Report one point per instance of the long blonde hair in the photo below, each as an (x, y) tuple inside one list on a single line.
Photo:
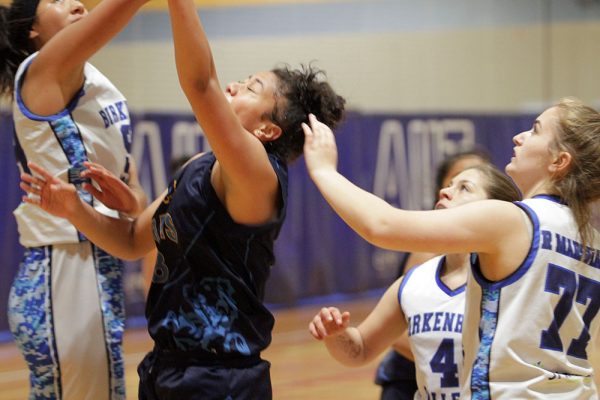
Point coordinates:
[(579, 135)]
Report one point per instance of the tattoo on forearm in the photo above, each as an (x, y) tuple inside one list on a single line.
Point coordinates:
[(348, 346)]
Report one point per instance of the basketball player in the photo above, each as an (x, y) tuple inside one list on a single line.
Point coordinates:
[(66, 308)]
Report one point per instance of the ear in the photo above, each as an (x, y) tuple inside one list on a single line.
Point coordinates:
[(268, 132), (33, 34), (561, 164)]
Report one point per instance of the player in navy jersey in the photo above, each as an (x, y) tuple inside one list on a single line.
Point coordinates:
[(427, 303), (66, 308), (531, 326), (214, 227)]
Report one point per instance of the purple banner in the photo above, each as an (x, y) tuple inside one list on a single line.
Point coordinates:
[(393, 156)]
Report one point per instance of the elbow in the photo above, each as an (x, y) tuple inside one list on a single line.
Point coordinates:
[(374, 231)]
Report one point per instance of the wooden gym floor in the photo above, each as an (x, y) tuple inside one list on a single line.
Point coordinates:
[(301, 366)]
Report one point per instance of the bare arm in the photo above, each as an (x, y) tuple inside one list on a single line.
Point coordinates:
[(243, 175), (493, 228), (356, 346), (123, 238), (58, 68)]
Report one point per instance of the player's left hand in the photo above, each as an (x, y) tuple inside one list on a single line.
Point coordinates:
[(51, 194), (112, 192)]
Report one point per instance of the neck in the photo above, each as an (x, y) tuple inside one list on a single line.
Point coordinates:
[(544, 187), (455, 269), (456, 262)]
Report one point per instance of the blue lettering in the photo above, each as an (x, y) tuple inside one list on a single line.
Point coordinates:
[(547, 240), (438, 319), (113, 113), (459, 323), (416, 323), (448, 321), (121, 109), (426, 317), (105, 119)]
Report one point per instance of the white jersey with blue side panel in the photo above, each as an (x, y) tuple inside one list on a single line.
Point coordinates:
[(533, 334), (435, 319), (94, 126)]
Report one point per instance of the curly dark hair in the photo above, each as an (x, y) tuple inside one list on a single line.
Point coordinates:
[(301, 92)]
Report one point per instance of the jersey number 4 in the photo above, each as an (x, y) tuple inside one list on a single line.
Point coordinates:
[(443, 363), (577, 288)]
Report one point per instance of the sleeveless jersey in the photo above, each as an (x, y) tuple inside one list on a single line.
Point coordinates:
[(435, 317), (94, 126), (533, 334), (210, 274)]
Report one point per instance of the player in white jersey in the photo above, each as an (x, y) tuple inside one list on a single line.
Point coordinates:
[(531, 328), (66, 308), (427, 303)]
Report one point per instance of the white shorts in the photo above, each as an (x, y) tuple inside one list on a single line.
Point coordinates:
[(66, 313)]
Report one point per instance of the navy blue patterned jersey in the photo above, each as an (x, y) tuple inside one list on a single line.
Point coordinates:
[(210, 274)]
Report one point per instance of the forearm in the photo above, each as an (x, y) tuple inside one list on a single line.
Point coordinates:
[(141, 200), (347, 348), (364, 212), (193, 57), (75, 44), (116, 236)]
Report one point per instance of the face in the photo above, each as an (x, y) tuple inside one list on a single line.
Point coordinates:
[(467, 186), (52, 16), (460, 165), (532, 157), (253, 99)]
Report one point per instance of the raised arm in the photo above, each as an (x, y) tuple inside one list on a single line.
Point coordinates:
[(123, 238), (243, 175), (457, 230), (356, 346), (59, 66)]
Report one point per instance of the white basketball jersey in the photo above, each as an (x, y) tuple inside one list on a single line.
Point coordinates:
[(94, 126), (435, 319), (533, 334)]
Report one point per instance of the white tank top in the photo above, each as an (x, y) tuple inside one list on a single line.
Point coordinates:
[(94, 126), (435, 319), (533, 334)]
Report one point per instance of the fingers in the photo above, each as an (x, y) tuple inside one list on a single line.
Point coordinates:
[(31, 184), (45, 175), (327, 322), (93, 191)]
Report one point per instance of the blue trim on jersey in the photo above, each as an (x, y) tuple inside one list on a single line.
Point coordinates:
[(19, 153), (67, 133), (34, 117), (525, 265), (442, 285), (480, 377)]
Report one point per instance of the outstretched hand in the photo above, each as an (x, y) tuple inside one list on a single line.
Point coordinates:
[(51, 194), (113, 193), (320, 150), (329, 322)]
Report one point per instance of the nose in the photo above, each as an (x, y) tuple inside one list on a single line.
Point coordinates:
[(445, 193), (233, 88), (77, 7), (518, 138)]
